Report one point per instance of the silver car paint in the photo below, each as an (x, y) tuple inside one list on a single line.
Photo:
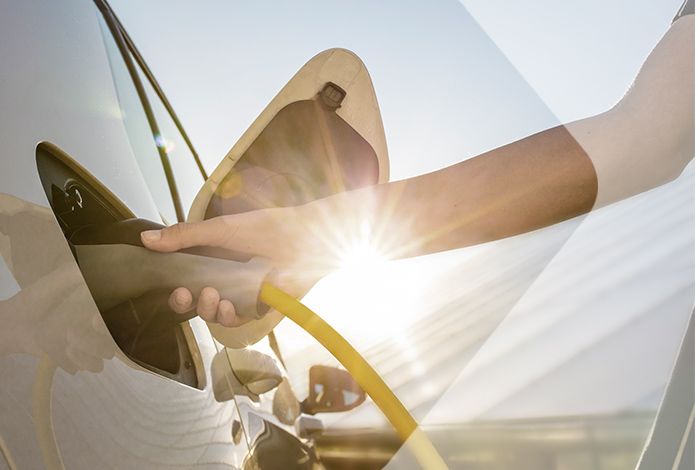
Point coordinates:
[(56, 86)]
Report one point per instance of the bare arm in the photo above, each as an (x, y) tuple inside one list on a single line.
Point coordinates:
[(644, 141), (528, 184), (648, 138)]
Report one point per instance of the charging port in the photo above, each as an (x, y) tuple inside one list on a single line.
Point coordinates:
[(78, 200)]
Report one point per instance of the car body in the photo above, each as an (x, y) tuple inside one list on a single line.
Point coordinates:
[(92, 137), (84, 121)]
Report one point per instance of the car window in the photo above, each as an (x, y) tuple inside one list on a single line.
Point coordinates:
[(150, 147), (138, 130), (187, 175)]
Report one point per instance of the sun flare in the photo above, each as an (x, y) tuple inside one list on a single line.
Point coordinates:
[(361, 254)]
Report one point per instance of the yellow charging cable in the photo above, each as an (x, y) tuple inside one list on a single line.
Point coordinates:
[(362, 372)]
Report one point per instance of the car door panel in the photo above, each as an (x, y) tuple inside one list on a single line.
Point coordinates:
[(65, 382)]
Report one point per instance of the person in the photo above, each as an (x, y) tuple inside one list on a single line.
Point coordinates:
[(644, 141)]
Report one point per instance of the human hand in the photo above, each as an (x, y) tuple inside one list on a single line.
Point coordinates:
[(288, 237)]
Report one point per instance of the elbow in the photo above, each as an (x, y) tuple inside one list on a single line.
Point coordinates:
[(632, 153)]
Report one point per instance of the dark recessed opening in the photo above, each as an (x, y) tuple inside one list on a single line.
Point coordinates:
[(78, 200), (306, 152)]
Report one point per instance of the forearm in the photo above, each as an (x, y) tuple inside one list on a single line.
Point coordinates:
[(644, 141), (528, 184)]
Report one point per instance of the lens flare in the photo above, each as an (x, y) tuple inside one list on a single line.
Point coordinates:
[(361, 254)]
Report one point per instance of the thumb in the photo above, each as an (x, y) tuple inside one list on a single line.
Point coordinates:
[(184, 235)]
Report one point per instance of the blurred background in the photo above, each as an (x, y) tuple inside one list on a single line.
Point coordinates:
[(549, 350)]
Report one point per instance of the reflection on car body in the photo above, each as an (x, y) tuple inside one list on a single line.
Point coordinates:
[(86, 389)]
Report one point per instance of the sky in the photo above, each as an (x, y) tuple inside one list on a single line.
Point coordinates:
[(454, 80)]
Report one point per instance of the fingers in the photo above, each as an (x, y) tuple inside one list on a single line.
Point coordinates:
[(180, 300), (183, 235), (210, 306), (226, 315), (255, 232), (208, 303)]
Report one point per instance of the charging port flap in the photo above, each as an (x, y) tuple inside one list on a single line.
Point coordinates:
[(322, 134)]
